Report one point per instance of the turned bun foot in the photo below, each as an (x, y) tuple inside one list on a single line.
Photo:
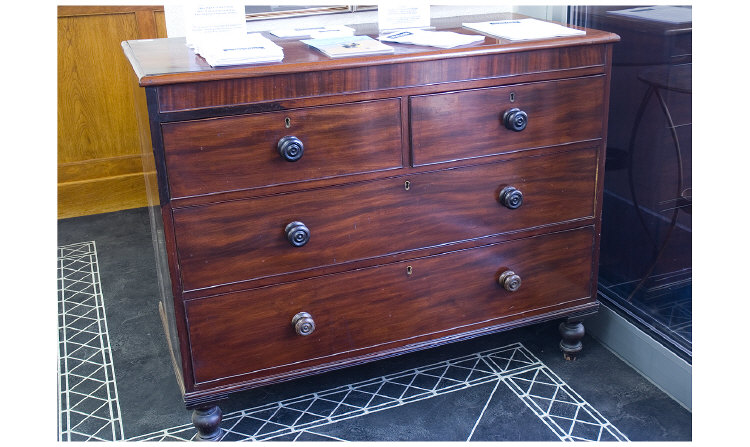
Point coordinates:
[(571, 332), (207, 421)]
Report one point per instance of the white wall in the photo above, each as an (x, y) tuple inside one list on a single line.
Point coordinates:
[(557, 13)]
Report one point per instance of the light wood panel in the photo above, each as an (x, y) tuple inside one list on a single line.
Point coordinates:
[(99, 165)]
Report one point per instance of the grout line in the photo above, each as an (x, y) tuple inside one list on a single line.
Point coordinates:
[(321, 435), (486, 404), (61, 346), (103, 337)]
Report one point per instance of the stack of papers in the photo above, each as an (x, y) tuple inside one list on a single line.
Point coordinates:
[(251, 49), (440, 39), (349, 46), (318, 32), (523, 29)]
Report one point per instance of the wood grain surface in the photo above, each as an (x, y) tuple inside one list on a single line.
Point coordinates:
[(240, 152), (378, 308), (244, 239), (97, 134), (467, 124)]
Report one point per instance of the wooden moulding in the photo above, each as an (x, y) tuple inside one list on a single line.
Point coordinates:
[(99, 186), (262, 86)]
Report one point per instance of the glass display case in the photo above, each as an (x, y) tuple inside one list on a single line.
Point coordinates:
[(646, 246)]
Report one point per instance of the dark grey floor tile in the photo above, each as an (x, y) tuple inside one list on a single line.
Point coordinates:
[(507, 418), (446, 417), (630, 402), (149, 396)]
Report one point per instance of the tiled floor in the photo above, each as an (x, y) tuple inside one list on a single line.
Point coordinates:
[(116, 381), (89, 408), (564, 412)]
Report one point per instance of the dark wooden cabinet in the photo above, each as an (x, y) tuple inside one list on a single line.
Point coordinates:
[(431, 196)]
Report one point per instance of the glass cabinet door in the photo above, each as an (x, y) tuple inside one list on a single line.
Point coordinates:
[(646, 245)]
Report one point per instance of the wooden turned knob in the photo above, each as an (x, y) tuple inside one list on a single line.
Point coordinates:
[(515, 119), (297, 233), (509, 281), (303, 323), (511, 197), (290, 148)]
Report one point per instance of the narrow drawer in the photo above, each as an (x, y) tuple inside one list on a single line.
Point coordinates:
[(467, 124), (242, 152), (235, 241), (356, 313)]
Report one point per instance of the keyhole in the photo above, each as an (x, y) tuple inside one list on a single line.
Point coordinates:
[(512, 96), (407, 185), (287, 122), (408, 270)]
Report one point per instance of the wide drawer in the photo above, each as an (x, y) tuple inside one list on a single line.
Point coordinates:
[(240, 240), (241, 152), (468, 124), (386, 307)]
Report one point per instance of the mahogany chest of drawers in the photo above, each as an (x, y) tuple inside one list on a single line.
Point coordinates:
[(319, 213)]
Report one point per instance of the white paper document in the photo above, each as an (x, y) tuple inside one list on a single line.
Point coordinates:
[(392, 17), (660, 13), (250, 49), (317, 32), (440, 39), (523, 29), (215, 21)]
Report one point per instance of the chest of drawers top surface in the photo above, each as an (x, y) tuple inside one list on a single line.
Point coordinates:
[(170, 61)]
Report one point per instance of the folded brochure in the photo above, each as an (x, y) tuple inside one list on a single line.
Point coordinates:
[(253, 48), (440, 39), (349, 46)]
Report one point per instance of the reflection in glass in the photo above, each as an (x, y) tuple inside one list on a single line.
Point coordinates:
[(646, 246), (256, 12)]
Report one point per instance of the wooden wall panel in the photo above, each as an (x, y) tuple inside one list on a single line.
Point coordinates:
[(161, 24), (99, 161)]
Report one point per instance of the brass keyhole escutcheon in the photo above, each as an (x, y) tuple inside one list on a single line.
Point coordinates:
[(407, 185), (409, 270), (512, 96), (287, 122)]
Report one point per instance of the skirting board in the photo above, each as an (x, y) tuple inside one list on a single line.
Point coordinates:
[(656, 363)]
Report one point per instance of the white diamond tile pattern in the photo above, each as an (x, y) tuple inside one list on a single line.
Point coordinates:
[(565, 412), (553, 401), (87, 399)]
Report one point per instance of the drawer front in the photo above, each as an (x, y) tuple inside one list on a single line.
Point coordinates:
[(240, 152), (240, 240), (250, 333), (467, 124)]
